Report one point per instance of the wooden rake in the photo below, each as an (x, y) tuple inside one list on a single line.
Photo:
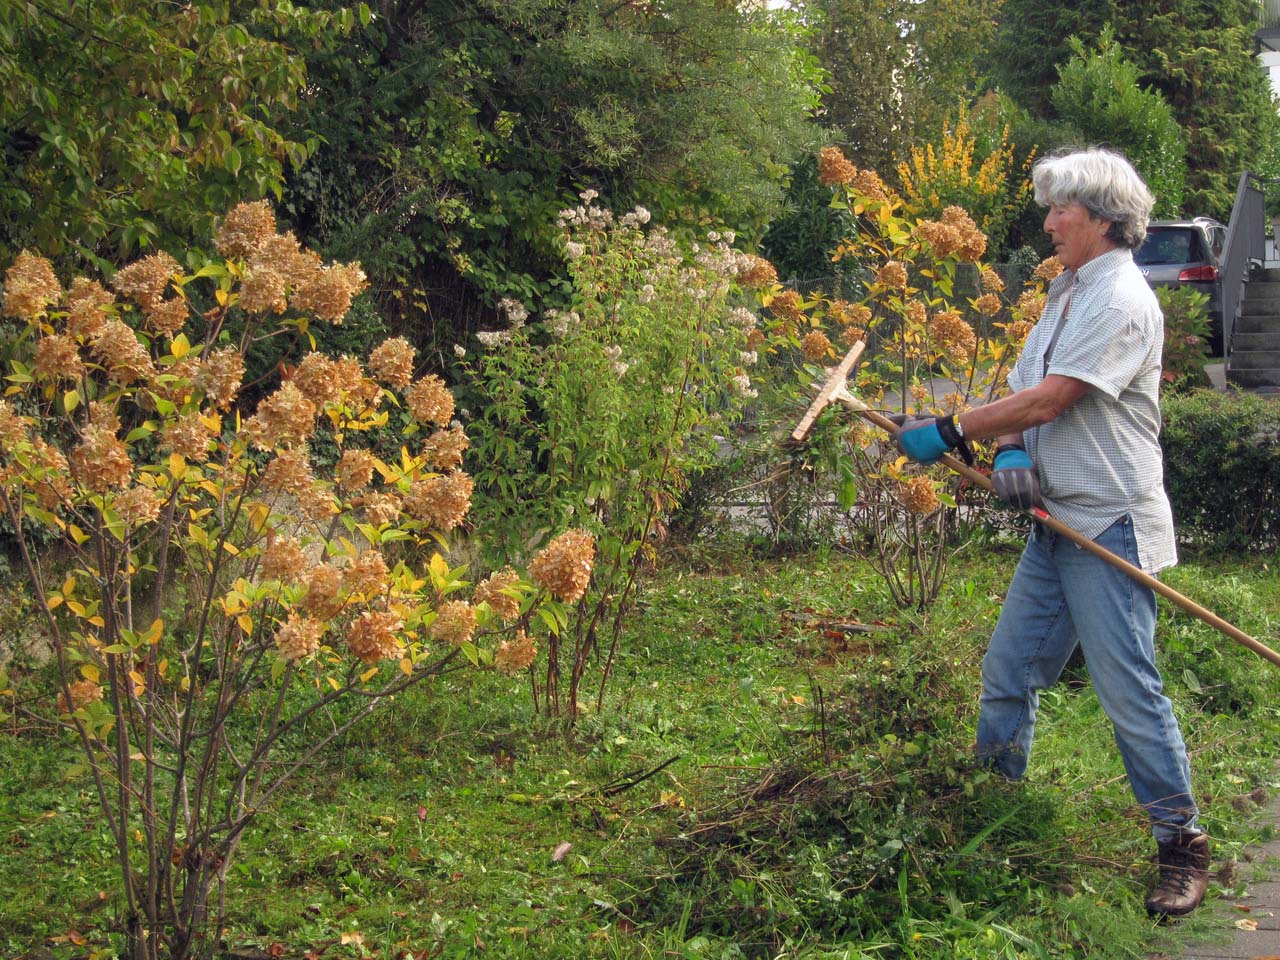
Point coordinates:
[(836, 390)]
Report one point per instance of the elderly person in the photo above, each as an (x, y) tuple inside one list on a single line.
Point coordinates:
[(1079, 436)]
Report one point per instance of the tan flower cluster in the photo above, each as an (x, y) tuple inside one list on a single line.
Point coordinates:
[(101, 461), (1049, 269), (787, 305), (373, 636), (392, 362), (990, 280), (757, 273), (219, 376), (29, 287), (953, 336), (283, 559), (82, 693), (86, 304), (845, 313), (918, 495), (955, 402), (144, 281), (851, 335), (137, 505), (430, 401), (366, 575), (359, 391), (322, 598), (316, 502), (869, 184), (834, 168), (455, 622), (103, 416), (491, 591), (189, 437), (289, 472), (299, 637), (564, 565), (516, 654), (915, 312), (1018, 330), (327, 294), (443, 449), (1030, 305), (58, 356), (919, 393), (442, 500), (117, 348), (944, 239), (284, 419), (244, 229), (755, 338), (379, 508), (317, 378), (973, 242), (988, 304), (354, 470), (815, 346), (263, 290), (13, 428), (893, 275), (53, 488), (168, 317)]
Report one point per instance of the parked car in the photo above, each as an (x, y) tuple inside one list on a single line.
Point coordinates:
[(1187, 253)]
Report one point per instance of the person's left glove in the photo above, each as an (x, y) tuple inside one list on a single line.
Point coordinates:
[(926, 439)]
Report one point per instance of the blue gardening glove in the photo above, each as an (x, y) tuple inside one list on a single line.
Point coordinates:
[(926, 439), (1013, 477)]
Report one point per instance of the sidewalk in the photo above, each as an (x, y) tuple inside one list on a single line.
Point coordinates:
[(1250, 924)]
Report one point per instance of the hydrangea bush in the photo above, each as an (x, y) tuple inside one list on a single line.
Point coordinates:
[(213, 592)]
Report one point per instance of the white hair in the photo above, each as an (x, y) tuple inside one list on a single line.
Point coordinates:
[(1104, 183)]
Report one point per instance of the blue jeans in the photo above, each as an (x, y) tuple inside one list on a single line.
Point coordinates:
[(1062, 595)]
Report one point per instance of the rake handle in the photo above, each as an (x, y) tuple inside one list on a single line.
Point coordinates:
[(1080, 540)]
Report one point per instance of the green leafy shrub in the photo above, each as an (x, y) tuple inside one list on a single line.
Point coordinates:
[(1186, 338), (1222, 468)]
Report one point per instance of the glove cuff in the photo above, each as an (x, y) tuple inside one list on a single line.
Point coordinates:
[(1006, 447), (952, 436)]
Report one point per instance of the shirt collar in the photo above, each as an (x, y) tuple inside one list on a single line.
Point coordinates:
[(1099, 267)]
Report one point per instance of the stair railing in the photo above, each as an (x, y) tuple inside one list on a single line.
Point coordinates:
[(1244, 247)]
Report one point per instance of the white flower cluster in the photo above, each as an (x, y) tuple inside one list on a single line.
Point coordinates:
[(560, 324), (748, 358), (586, 214), (742, 384), (742, 318), (636, 218)]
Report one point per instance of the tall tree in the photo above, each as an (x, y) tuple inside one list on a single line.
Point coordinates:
[(1032, 40), (896, 68), (130, 123), (455, 132)]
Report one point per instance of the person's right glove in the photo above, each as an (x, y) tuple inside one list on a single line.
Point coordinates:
[(1013, 477)]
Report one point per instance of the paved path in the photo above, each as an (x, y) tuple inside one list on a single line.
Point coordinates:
[(1250, 923)]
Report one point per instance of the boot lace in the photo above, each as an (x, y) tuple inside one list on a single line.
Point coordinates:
[(1178, 869)]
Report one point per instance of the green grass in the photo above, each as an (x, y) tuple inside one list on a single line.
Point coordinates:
[(818, 803)]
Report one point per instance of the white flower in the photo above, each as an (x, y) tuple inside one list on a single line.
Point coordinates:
[(748, 358), (742, 384), (647, 293), (459, 350), (574, 250)]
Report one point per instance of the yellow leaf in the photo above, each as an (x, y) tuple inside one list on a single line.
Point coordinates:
[(231, 548), (153, 632), (246, 622), (334, 683), (71, 400), (406, 666), (221, 296), (68, 586), (97, 622), (139, 680), (180, 346), (76, 607), (186, 684), (364, 677), (162, 667), (78, 535), (89, 672), (177, 466), (53, 602), (354, 937)]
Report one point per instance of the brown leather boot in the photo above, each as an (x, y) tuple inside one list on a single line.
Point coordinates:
[(1184, 876)]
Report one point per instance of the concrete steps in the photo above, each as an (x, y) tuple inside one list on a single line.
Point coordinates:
[(1254, 363)]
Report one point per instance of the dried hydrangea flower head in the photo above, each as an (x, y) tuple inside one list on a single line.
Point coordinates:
[(82, 693), (101, 461), (283, 559), (244, 229), (516, 654), (373, 636), (30, 287), (494, 591), (834, 168), (328, 293), (564, 565), (321, 599), (442, 500), (392, 362), (219, 376), (284, 419), (86, 304), (892, 275), (455, 622), (1049, 269), (756, 273), (443, 450), (298, 637), (430, 401), (815, 346), (918, 495), (787, 305), (188, 436), (117, 348), (144, 281), (137, 505), (366, 576), (355, 470), (58, 357), (952, 335), (289, 472)]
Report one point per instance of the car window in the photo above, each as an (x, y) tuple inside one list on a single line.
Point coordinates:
[(1218, 237), (1165, 245)]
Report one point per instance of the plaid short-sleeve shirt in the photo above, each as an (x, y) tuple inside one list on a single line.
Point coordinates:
[(1100, 459)]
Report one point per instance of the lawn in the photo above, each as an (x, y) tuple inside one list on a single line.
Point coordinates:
[(780, 769)]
